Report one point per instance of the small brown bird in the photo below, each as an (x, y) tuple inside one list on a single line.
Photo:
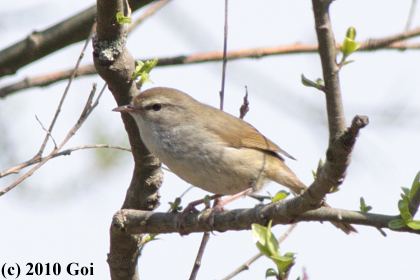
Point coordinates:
[(209, 148)]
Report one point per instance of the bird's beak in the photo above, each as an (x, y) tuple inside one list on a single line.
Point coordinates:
[(124, 109)]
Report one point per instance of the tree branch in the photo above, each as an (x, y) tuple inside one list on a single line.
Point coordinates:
[(197, 262), (341, 139), (42, 43), (85, 114), (116, 66), (327, 51), (368, 45), (19, 167), (140, 222)]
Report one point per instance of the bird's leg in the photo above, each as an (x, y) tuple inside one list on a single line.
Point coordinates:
[(191, 208), (219, 205)]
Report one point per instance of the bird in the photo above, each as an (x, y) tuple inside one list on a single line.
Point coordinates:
[(209, 148)]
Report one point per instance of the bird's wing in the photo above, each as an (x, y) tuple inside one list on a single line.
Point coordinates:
[(239, 133)]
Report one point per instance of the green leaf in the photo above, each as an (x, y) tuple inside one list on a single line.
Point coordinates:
[(406, 191), (142, 70), (309, 83), (404, 212), (414, 224), (346, 62), (150, 237), (320, 164), (271, 241), (349, 46), (320, 82), (175, 206), (206, 201), (335, 189), (407, 217), (265, 241), (148, 66), (351, 33), (121, 19), (289, 254), (402, 206), (283, 263), (396, 224), (405, 198), (270, 272), (363, 207), (279, 196), (415, 186), (314, 174), (283, 258), (137, 70)]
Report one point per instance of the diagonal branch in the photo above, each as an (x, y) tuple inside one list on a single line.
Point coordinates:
[(197, 263), (42, 43), (57, 112), (19, 167), (85, 114)]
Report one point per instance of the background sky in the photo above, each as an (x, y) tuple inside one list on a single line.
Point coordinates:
[(63, 212)]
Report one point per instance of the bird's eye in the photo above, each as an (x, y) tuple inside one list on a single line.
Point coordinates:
[(157, 107)]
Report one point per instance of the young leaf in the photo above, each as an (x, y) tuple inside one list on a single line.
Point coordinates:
[(363, 207), (349, 46), (270, 272), (264, 240), (415, 186), (121, 19), (406, 191), (351, 33), (396, 224), (306, 82), (414, 224), (279, 196)]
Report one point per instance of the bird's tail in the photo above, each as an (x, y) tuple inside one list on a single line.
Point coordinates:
[(287, 178)]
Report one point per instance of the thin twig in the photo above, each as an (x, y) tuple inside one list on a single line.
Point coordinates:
[(85, 114), (410, 15), (49, 133), (222, 91), (197, 263), (41, 150), (46, 80), (19, 167), (245, 106), (248, 263), (153, 9)]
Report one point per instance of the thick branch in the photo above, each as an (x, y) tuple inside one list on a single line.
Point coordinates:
[(116, 66), (42, 43), (327, 52), (333, 172), (138, 222), (341, 140)]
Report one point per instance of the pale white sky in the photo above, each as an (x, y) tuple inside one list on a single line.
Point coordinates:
[(63, 212)]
